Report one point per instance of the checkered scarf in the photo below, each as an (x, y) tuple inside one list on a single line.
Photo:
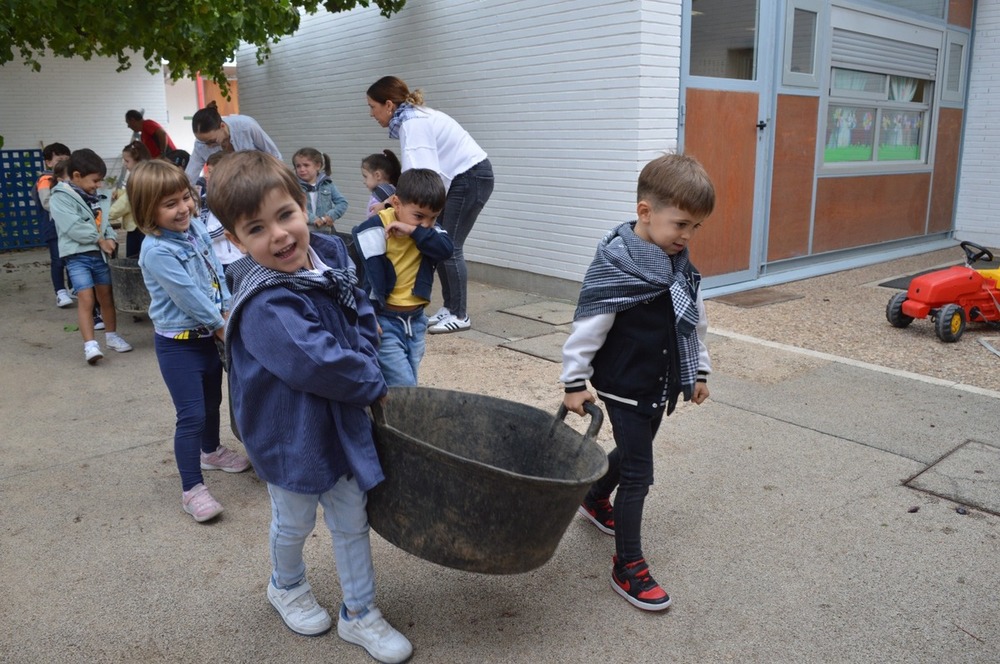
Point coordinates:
[(404, 112), (627, 270), (246, 278)]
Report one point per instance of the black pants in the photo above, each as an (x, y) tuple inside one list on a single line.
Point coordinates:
[(630, 468)]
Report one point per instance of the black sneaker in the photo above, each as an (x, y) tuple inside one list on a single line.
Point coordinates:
[(599, 513), (633, 582), (98, 320)]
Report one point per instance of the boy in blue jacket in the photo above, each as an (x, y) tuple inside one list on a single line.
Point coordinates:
[(86, 241), (303, 367), (400, 247), (638, 336)]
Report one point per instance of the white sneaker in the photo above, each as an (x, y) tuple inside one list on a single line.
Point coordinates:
[(374, 633), (299, 609), (116, 343), (450, 323), (63, 299), (441, 314), (92, 352)]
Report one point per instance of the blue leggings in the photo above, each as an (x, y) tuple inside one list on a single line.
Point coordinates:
[(630, 468), (56, 267), (192, 370)]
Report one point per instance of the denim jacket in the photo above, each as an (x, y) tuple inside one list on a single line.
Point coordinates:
[(329, 202), (184, 279)]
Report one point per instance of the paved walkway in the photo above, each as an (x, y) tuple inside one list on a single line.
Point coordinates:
[(818, 508)]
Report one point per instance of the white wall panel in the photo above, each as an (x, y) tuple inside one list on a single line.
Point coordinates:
[(569, 99), (77, 102), (979, 184)]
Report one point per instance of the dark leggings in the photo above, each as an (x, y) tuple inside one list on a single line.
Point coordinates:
[(56, 269), (192, 370), (630, 468)]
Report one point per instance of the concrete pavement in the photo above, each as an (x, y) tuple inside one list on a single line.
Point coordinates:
[(782, 520)]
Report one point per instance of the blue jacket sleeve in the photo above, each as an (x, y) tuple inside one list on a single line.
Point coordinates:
[(434, 243)]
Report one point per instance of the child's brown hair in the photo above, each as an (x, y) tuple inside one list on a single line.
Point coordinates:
[(148, 184), (242, 180), (679, 181)]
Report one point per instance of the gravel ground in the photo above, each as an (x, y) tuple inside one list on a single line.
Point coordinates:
[(844, 314)]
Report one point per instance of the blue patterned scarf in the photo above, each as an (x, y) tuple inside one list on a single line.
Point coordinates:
[(627, 271), (247, 278), (404, 112)]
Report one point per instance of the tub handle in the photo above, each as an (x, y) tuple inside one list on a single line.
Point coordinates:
[(378, 414), (596, 418)]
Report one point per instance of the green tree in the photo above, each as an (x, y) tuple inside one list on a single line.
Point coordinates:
[(193, 36)]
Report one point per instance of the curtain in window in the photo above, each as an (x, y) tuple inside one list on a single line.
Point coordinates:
[(902, 88)]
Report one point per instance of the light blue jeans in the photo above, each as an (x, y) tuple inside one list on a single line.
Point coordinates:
[(402, 346), (293, 517)]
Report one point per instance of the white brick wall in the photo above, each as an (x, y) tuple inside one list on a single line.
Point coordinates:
[(77, 102), (568, 99), (979, 182)]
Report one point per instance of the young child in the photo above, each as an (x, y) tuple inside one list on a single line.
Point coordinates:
[(188, 305), (400, 247), (301, 345), (638, 335), (380, 172), (223, 248), (324, 202), (86, 240), (132, 154), (53, 155)]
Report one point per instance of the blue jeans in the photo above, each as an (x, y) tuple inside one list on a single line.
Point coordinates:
[(467, 196), (402, 346), (293, 517), (630, 468), (87, 270), (56, 267), (192, 370)]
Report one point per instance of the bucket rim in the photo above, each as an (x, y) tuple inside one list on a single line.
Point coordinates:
[(531, 479)]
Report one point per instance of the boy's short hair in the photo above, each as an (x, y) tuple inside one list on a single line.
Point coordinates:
[(679, 181), (148, 184), (423, 187), (55, 150), (214, 158), (242, 180), (86, 162)]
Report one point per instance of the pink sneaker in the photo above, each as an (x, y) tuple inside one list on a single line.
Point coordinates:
[(225, 459), (200, 504)]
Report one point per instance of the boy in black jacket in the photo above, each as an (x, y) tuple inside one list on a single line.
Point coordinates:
[(638, 335)]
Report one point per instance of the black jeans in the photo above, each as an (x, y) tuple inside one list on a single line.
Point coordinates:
[(630, 468)]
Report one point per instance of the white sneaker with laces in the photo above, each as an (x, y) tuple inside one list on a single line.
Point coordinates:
[(450, 323), (441, 314), (92, 352), (374, 633), (299, 609), (116, 343), (63, 299)]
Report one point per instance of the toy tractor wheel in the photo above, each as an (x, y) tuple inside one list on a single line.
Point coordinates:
[(894, 311), (950, 323)]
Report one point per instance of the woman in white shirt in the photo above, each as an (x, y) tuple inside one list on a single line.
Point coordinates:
[(229, 134), (431, 139)]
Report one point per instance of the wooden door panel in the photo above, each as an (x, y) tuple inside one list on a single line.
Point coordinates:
[(720, 132)]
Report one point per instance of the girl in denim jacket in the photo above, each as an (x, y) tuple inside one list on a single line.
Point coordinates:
[(189, 302), (324, 202)]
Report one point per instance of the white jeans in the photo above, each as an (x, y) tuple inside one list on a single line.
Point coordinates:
[(293, 517)]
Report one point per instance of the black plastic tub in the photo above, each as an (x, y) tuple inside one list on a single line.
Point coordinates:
[(130, 291), (478, 483)]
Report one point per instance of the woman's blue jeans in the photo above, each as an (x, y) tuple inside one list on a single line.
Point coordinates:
[(467, 196), (192, 370), (630, 468)]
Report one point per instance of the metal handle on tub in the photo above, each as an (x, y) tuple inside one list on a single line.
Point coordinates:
[(596, 418)]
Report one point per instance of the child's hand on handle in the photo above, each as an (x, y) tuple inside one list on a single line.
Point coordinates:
[(700, 393), (107, 245), (574, 401)]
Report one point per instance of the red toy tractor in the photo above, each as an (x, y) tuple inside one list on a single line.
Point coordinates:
[(951, 296)]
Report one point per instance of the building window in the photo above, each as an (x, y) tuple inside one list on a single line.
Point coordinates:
[(874, 117), (933, 8), (954, 67), (801, 44)]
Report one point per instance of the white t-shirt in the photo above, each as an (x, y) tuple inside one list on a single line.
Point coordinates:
[(432, 139)]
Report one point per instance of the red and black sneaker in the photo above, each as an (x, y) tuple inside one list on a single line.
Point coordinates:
[(633, 582), (599, 513)]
